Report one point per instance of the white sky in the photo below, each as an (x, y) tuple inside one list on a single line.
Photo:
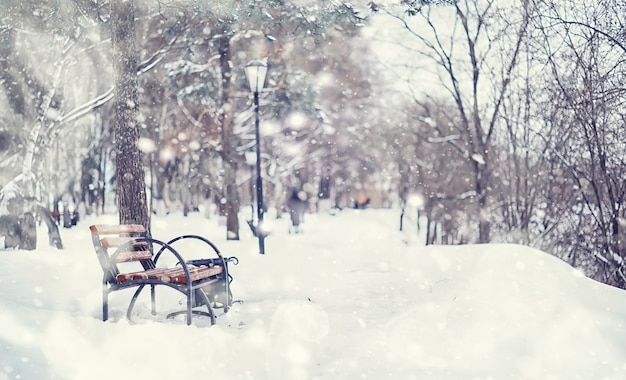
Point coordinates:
[(349, 298)]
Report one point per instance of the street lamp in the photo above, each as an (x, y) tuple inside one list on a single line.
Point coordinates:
[(255, 72)]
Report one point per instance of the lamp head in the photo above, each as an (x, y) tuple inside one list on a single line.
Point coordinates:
[(255, 72)]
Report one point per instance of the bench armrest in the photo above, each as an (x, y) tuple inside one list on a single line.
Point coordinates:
[(156, 245), (217, 261)]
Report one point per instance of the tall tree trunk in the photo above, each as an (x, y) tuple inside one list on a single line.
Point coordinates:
[(482, 193), (131, 186), (229, 156)]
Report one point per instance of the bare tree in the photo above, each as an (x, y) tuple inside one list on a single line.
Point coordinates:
[(476, 80), (585, 53)]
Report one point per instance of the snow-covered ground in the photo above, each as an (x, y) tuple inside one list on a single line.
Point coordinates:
[(350, 298)]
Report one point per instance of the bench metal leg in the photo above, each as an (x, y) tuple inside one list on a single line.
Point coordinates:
[(105, 303), (190, 303), (153, 298), (193, 302), (205, 300), (131, 305)]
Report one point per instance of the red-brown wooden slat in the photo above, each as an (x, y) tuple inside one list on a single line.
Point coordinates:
[(139, 275), (197, 274), (127, 256), (111, 229), (111, 242), (174, 275)]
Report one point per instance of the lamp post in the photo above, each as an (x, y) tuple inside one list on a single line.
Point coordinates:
[(251, 161), (255, 72)]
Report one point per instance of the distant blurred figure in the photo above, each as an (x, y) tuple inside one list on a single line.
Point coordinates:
[(297, 203), (362, 202)]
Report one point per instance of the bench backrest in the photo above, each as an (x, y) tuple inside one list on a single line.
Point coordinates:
[(108, 238)]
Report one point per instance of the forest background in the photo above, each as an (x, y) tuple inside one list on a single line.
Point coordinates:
[(499, 121)]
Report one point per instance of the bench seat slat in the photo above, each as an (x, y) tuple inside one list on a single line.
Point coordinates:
[(196, 274), (173, 275), (128, 256)]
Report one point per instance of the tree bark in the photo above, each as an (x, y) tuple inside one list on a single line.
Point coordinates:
[(54, 237), (229, 160), (131, 186)]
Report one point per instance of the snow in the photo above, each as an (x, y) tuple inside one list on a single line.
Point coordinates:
[(478, 158), (349, 298)]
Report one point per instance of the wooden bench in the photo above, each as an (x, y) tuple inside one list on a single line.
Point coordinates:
[(204, 282)]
